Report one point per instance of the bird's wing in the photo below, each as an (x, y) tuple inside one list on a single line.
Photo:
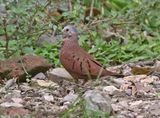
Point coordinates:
[(83, 63)]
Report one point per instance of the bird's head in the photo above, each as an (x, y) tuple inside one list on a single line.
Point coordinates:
[(70, 31)]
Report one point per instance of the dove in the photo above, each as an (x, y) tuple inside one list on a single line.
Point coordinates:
[(79, 63)]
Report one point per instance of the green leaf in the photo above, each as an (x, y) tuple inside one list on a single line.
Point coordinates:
[(28, 50)]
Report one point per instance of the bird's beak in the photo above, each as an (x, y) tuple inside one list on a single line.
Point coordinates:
[(64, 34)]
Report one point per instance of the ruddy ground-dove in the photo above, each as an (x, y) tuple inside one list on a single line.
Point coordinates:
[(79, 63)]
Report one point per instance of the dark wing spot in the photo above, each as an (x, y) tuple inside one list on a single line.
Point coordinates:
[(73, 56), (96, 63), (78, 59), (89, 66), (81, 66), (73, 65), (68, 59)]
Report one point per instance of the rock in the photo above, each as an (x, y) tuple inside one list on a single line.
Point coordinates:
[(154, 109), (11, 104), (59, 74), (139, 116), (46, 39), (120, 116), (17, 100), (44, 83), (25, 87), (112, 90), (13, 94), (135, 104), (97, 102), (149, 79), (119, 81), (157, 66), (3, 11), (128, 92), (14, 112), (48, 98), (123, 104), (8, 84), (126, 69), (71, 97), (156, 84), (15, 68), (116, 107), (40, 76), (134, 78)]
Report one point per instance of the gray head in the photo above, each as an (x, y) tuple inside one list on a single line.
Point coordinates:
[(69, 31)]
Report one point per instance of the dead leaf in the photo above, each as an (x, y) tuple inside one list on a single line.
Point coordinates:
[(17, 100), (157, 66), (15, 111), (135, 104), (46, 83), (141, 87), (137, 87), (149, 79), (124, 87), (10, 104), (134, 90), (95, 12), (52, 12), (134, 78), (48, 97), (141, 70)]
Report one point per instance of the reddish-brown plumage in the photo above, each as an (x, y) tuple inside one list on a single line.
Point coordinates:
[(77, 61)]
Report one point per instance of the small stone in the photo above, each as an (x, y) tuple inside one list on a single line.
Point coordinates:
[(120, 116), (135, 103), (123, 104), (48, 98), (111, 90), (40, 76), (119, 81), (12, 68), (14, 94), (11, 104), (128, 92), (154, 109), (149, 79), (58, 75), (46, 39), (14, 112), (10, 83), (156, 84), (116, 107), (17, 100), (25, 87), (3, 11), (157, 66), (139, 116), (71, 97), (96, 101)]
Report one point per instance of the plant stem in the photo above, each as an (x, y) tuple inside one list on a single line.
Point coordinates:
[(6, 38)]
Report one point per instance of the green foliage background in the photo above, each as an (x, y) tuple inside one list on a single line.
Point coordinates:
[(138, 19)]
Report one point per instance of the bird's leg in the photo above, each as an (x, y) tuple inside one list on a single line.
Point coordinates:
[(76, 80), (84, 81)]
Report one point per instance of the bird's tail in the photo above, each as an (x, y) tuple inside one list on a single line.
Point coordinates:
[(110, 73)]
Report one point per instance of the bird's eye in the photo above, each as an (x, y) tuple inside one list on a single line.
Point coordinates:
[(67, 30)]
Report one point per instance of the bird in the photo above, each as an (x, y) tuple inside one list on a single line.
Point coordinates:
[(79, 63)]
